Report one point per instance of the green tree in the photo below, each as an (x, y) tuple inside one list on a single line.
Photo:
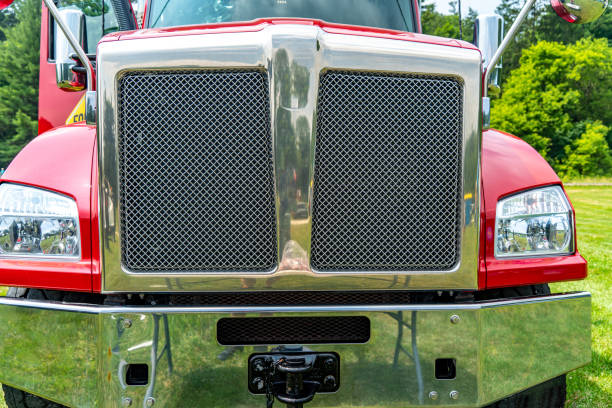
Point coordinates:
[(19, 67), (436, 23), (590, 154), (527, 34), (7, 20), (447, 25), (555, 88), (602, 28), (543, 24), (468, 24)]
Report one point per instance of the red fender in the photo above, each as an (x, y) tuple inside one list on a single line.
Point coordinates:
[(59, 160), (510, 165)]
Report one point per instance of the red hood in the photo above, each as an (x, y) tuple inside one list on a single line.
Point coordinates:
[(260, 24)]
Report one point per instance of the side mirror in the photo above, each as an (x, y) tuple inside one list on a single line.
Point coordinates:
[(579, 11), (5, 3), (67, 79), (488, 36)]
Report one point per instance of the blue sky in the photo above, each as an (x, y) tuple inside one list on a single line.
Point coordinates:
[(482, 6)]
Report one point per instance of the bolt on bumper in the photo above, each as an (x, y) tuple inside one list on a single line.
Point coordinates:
[(78, 355)]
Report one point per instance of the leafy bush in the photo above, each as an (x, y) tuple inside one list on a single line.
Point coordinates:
[(590, 154), (556, 88)]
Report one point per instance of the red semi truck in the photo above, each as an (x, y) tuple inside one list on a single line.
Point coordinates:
[(241, 203)]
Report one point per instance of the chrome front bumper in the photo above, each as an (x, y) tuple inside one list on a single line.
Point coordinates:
[(77, 355)]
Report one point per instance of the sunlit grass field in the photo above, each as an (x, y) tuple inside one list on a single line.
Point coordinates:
[(588, 180), (590, 386)]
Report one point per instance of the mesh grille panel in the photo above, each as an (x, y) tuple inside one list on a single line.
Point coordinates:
[(293, 330), (196, 179), (387, 180), (294, 298)]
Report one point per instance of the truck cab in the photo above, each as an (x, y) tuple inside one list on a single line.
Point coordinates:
[(293, 202)]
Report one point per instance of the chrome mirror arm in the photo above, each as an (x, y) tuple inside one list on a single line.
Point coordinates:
[(511, 33), (73, 42)]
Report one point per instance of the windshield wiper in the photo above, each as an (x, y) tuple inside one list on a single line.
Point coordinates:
[(399, 6), (160, 14)]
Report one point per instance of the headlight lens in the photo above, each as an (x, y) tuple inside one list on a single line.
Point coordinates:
[(534, 223), (37, 223)]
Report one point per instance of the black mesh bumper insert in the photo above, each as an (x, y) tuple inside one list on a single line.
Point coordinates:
[(294, 298), (293, 330)]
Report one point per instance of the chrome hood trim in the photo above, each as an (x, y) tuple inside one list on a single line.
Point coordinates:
[(293, 57)]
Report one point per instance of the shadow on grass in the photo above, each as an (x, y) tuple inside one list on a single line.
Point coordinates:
[(584, 389)]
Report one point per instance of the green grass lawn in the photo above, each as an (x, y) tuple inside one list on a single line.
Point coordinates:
[(588, 180), (590, 386)]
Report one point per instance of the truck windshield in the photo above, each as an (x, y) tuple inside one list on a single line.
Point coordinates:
[(392, 14)]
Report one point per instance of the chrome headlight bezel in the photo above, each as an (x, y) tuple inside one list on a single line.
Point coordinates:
[(41, 215), (557, 211)]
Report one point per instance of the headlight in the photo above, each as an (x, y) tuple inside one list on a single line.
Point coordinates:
[(534, 223), (37, 223)]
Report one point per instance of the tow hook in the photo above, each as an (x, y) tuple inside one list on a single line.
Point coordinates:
[(293, 378)]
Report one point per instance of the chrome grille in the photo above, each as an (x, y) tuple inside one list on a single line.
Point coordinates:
[(195, 171), (387, 180)]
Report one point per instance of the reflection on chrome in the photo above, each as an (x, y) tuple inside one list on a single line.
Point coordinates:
[(155, 357), (399, 348), (38, 236), (93, 345), (160, 348), (36, 222), (294, 257)]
